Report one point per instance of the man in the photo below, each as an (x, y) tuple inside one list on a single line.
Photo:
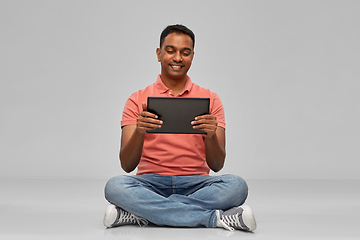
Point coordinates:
[(172, 186)]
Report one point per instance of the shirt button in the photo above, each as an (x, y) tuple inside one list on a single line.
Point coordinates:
[(170, 92)]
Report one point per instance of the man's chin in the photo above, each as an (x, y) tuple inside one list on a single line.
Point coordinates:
[(177, 75)]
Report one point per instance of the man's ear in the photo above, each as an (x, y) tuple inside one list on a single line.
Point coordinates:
[(158, 51)]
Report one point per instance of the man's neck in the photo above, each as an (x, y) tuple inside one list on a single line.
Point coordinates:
[(176, 85)]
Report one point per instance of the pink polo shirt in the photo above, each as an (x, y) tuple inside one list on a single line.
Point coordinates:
[(172, 154)]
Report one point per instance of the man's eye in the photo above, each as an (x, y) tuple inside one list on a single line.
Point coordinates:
[(170, 51), (186, 53)]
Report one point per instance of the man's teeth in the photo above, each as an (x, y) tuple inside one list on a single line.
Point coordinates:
[(176, 66)]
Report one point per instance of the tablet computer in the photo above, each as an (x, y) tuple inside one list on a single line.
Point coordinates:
[(177, 113)]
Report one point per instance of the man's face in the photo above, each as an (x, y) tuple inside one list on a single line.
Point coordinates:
[(175, 55)]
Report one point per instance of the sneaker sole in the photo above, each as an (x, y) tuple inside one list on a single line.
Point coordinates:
[(110, 216), (248, 218)]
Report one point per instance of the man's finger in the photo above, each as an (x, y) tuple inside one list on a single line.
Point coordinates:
[(207, 116), (146, 114), (144, 107)]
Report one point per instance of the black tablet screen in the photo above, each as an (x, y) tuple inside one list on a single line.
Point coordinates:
[(177, 113)]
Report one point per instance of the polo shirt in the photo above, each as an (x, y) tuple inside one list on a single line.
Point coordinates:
[(172, 154)]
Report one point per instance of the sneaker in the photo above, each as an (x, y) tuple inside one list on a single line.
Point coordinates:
[(115, 216), (241, 218)]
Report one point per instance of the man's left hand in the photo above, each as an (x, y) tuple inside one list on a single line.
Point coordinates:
[(206, 123)]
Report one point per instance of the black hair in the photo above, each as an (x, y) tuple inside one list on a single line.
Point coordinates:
[(177, 28)]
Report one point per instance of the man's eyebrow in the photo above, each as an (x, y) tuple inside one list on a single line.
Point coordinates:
[(187, 49)]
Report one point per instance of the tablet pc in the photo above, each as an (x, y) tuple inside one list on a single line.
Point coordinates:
[(177, 113)]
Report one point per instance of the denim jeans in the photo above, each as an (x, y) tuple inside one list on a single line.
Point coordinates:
[(179, 201)]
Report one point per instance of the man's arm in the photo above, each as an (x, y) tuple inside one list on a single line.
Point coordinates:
[(214, 141), (215, 150), (132, 139), (131, 148)]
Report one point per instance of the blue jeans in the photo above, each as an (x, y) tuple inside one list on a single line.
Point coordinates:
[(179, 201)]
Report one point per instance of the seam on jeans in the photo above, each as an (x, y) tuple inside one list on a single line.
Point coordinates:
[(214, 220), (151, 186), (173, 186)]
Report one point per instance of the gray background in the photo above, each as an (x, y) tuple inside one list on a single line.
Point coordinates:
[(286, 71)]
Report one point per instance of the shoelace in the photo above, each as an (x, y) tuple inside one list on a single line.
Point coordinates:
[(131, 218), (227, 221)]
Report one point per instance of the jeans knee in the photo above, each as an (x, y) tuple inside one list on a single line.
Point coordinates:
[(239, 187), (113, 187)]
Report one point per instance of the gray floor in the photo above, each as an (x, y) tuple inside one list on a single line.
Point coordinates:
[(284, 209)]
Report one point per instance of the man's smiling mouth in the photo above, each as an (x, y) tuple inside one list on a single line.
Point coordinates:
[(176, 66)]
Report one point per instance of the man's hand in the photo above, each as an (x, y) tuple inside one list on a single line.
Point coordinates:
[(147, 121), (214, 140), (206, 123)]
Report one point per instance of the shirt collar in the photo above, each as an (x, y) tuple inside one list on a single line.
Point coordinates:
[(163, 89)]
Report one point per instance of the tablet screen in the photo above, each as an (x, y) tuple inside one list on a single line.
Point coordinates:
[(177, 113)]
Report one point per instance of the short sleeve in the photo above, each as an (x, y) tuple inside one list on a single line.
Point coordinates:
[(218, 111), (131, 111)]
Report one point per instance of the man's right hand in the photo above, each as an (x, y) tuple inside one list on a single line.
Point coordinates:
[(147, 121)]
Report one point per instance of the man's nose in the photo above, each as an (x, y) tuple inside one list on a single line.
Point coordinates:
[(177, 57)]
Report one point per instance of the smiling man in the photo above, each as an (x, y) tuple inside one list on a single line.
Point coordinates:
[(172, 186), (175, 55)]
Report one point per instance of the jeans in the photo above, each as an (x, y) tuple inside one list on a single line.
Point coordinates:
[(179, 201)]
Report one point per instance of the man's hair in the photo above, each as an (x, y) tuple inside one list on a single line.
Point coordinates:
[(177, 28)]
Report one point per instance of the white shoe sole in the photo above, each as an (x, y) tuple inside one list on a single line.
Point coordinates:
[(110, 215), (248, 218)]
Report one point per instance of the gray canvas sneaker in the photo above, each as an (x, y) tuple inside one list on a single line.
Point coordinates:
[(116, 216), (241, 218)]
